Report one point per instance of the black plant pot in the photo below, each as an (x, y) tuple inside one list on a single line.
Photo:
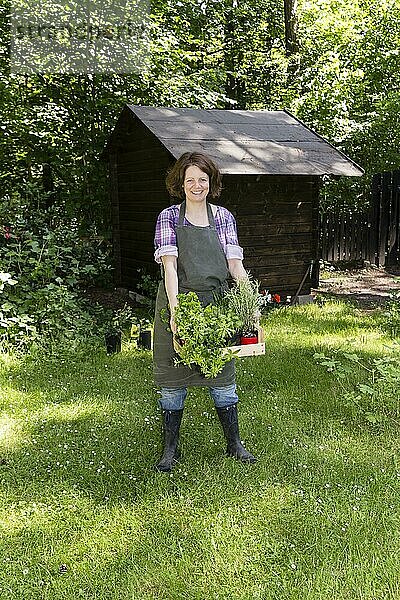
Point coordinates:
[(113, 342), (234, 340), (144, 340)]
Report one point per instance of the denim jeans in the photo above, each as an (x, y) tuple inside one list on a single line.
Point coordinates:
[(174, 398)]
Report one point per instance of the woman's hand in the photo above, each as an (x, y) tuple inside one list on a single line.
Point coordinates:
[(237, 269)]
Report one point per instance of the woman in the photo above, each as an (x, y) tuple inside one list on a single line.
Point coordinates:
[(196, 243)]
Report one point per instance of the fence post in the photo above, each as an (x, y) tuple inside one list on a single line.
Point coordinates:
[(384, 217), (394, 227), (376, 190)]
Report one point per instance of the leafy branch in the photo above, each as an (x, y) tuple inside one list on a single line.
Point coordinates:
[(383, 375)]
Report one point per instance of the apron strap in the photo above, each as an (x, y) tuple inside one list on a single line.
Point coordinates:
[(211, 220), (182, 211)]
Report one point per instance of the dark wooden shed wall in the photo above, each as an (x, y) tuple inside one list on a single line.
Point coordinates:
[(138, 164), (277, 218)]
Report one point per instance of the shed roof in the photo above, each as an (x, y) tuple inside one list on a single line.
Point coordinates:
[(246, 142)]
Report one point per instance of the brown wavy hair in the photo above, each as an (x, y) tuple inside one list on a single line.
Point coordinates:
[(176, 176)]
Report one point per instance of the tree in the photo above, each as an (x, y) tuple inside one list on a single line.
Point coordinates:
[(291, 39)]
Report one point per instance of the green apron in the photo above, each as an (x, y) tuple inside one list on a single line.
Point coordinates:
[(202, 268)]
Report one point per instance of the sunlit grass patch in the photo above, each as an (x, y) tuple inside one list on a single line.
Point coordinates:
[(10, 432), (334, 321)]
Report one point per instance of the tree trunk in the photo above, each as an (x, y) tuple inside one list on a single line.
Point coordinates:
[(291, 40), (233, 57)]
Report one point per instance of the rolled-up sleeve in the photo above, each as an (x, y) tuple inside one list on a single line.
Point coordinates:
[(234, 251), (232, 248), (165, 235)]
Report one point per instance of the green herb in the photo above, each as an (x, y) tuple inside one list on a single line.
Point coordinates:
[(244, 300), (120, 320), (203, 333)]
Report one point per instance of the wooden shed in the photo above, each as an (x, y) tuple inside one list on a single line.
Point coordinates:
[(272, 166)]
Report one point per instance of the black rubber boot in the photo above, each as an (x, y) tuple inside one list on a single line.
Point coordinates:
[(171, 424), (229, 421)]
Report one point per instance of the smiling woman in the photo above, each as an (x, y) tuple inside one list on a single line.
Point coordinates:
[(176, 176), (196, 186), (196, 244)]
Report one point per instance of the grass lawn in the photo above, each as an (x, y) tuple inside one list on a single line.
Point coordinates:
[(83, 514)]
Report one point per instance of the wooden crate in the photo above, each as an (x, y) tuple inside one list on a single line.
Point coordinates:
[(251, 349), (242, 350)]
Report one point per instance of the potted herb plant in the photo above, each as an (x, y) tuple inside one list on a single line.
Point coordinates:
[(144, 335), (203, 333), (244, 300)]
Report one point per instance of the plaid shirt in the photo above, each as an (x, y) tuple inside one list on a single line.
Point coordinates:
[(165, 236)]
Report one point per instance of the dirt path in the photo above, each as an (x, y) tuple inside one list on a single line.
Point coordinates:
[(367, 287)]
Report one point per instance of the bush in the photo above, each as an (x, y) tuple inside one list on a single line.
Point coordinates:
[(50, 265), (148, 286), (13, 326)]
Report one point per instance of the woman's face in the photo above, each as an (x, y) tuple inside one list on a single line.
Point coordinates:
[(196, 184)]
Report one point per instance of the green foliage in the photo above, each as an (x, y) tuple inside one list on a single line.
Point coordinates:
[(121, 320), (391, 316), (148, 286), (51, 265), (203, 333), (382, 382), (243, 299), (6, 279), (13, 326), (206, 58), (348, 86)]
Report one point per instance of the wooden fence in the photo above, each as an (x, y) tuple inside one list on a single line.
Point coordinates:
[(373, 235)]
